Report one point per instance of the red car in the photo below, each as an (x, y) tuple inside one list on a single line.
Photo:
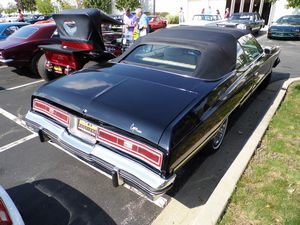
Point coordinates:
[(21, 48), (156, 22)]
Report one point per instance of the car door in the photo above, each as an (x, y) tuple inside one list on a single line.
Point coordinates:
[(258, 60)]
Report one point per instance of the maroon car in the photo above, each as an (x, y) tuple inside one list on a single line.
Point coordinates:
[(156, 22), (21, 48)]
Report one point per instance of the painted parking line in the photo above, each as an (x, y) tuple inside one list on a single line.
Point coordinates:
[(13, 118), (15, 143), (3, 67), (23, 85)]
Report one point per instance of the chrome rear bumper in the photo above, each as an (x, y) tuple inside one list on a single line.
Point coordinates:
[(5, 60), (122, 169)]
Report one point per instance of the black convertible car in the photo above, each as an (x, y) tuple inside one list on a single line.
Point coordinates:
[(244, 21), (143, 115)]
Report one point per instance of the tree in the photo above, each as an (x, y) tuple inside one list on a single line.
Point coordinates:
[(26, 5), (104, 5), (11, 8), (44, 6), (65, 4), (127, 4), (291, 3), (294, 3), (1, 8)]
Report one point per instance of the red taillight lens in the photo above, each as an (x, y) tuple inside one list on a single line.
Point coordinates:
[(4, 215), (51, 111), (138, 150)]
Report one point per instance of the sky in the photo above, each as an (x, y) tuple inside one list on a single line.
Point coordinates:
[(4, 3)]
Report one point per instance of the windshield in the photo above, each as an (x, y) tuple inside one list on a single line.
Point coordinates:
[(295, 20), (24, 32), (241, 17), (205, 17), (165, 57)]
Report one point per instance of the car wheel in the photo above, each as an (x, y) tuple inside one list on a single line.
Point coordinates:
[(214, 144), (38, 67), (219, 136)]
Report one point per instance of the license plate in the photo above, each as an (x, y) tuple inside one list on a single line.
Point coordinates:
[(87, 127), (57, 69)]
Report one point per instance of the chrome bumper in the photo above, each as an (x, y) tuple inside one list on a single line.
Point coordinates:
[(121, 169), (11, 208), (6, 60)]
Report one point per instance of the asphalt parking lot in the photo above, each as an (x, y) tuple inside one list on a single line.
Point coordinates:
[(51, 187)]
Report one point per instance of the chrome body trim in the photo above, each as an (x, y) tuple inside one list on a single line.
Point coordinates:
[(106, 160), (6, 60), (12, 209)]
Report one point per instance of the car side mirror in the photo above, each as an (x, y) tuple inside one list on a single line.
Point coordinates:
[(267, 50)]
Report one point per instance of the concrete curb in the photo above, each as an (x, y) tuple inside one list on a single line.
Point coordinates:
[(208, 214)]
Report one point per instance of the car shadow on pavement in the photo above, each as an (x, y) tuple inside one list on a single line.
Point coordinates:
[(26, 72), (197, 180), (50, 201)]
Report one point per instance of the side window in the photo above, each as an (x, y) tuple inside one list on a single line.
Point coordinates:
[(251, 47), (241, 58), (10, 30)]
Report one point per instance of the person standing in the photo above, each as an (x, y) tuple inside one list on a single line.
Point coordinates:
[(128, 20), (143, 22), (20, 17), (181, 15), (226, 15)]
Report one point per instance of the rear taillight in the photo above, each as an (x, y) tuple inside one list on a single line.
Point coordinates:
[(141, 151), (51, 111), (4, 215)]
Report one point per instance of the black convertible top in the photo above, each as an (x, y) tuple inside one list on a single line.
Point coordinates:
[(83, 25), (218, 47)]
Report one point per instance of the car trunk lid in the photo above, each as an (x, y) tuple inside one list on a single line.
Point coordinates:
[(141, 107)]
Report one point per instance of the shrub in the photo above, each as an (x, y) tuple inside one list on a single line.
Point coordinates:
[(172, 19)]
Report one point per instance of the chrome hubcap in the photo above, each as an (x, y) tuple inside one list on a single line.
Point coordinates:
[(217, 140)]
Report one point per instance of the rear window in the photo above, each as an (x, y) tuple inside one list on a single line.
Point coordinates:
[(24, 32), (165, 57)]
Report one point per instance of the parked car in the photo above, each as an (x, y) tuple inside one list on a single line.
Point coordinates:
[(244, 21), (156, 22), (203, 20), (7, 29), (9, 18), (82, 41), (143, 115), (21, 48), (9, 214), (285, 27), (36, 18), (117, 27), (50, 20)]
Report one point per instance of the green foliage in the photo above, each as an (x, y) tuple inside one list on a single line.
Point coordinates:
[(173, 19), (293, 3), (44, 6), (65, 4), (127, 4), (29, 5), (11, 8), (104, 5), (162, 14)]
